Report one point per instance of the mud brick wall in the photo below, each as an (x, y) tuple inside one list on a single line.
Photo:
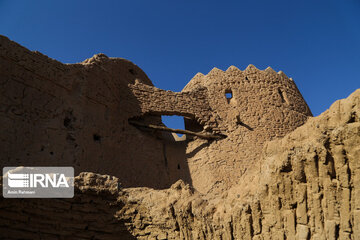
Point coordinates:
[(89, 215), (193, 104), (306, 187), (78, 115), (55, 114), (264, 105)]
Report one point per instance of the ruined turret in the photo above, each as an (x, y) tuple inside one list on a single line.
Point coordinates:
[(249, 107)]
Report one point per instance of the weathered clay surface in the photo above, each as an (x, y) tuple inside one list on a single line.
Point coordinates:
[(304, 184), (263, 105), (78, 115), (55, 114), (307, 187)]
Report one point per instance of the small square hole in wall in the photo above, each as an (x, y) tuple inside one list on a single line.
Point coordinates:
[(228, 95)]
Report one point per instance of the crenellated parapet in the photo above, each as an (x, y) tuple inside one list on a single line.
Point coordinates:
[(281, 90), (221, 100), (250, 107)]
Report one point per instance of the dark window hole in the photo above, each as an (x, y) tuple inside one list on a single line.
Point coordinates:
[(96, 137), (178, 166), (337, 230), (67, 122), (281, 95), (51, 153), (132, 71)]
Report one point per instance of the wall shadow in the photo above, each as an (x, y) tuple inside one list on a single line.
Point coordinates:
[(175, 156), (85, 216), (197, 149)]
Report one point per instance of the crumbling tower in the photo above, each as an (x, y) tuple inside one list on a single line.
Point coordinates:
[(78, 115), (250, 107)]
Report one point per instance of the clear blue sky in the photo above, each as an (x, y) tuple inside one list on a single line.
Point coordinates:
[(317, 43)]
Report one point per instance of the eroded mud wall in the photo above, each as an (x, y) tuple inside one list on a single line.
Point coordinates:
[(55, 114), (307, 187)]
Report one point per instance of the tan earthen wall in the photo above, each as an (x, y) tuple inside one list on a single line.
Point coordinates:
[(89, 215), (302, 186), (264, 105), (268, 105), (160, 102), (55, 114), (77, 115)]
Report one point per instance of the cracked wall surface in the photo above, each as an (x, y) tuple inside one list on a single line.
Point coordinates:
[(77, 114), (89, 215), (263, 105), (55, 114), (307, 187), (278, 174)]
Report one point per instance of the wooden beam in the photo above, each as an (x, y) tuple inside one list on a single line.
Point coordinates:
[(166, 129)]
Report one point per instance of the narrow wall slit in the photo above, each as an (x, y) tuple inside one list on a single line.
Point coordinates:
[(283, 96), (228, 95)]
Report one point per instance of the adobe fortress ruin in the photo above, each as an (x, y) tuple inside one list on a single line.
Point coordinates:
[(80, 115), (254, 163), (248, 107)]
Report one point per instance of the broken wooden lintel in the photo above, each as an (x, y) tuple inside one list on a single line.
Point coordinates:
[(207, 136)]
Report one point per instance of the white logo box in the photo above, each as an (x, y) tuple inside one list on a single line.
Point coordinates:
[(38, 182)]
